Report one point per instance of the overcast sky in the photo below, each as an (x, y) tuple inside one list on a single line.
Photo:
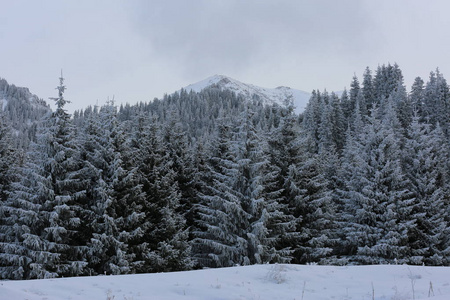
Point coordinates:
[(137, 50)]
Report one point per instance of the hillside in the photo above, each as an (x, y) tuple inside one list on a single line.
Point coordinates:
[(23, 109)]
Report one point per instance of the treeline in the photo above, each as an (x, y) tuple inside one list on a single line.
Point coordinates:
[(211, 179)]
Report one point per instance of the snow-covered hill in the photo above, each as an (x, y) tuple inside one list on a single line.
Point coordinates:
[(272, 282), (269, 96), (10, 93), (23, 109)]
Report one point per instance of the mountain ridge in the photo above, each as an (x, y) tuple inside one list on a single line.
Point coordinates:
[(278, 95)]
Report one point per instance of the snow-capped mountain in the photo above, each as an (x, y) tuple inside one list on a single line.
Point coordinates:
[(269, 96)]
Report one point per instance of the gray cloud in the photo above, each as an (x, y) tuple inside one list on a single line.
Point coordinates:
[(236, 35), (140, 49)]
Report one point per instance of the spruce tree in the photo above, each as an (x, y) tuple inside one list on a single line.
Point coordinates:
[(221, 240), (46, 203), (437, 101), (417, 98), (19, 214), (112, 192), (163, 245), (376, 195), (423, 162), (368, 89), (64, 195)]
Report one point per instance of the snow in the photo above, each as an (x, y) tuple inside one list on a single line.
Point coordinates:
[(269, 96), (4, 103), (312, 282)]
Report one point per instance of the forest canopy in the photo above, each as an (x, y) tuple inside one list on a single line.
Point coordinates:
[(214, 179)]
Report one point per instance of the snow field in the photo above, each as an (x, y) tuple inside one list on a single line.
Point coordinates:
[(271, 282)]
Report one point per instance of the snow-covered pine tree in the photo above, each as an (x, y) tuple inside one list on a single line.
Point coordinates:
[(361, 103), (284, 156), (115, 217), (423, 166), (437, 101), (63, 197), (338, 123), (18, 212), (10, 157), (403, 106), (376, 195), (163, 245), (386, 80), (311, 181), (368, 89), (22, 251), (200, 181), (143, 142), (45, 203), (355, 89), (313, 202), (179, 150), (344, 101), (221, 240), (417, 97), (441, 145), (313, 114), (251, 179)]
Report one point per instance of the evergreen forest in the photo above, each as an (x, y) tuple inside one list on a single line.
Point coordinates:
[(214, 179)]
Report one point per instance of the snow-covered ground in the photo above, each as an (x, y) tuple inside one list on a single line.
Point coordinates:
[(396, 282)]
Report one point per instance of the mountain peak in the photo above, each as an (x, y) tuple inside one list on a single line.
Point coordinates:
[(269, 96)]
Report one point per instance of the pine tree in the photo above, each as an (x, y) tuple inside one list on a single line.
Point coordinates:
[(177, 145), (403, 106), (222, 240), (424, 170), (417, 97), (361, 103), (265, 214), (114, 193), (377, 201), (22, 252), (338, 123), (386, 80), (62, 201), (163, 245), (345, 104), (353, 96), (325, 141), (9, 156), (18, 212), (368, 89), (437, 101), (45, 203), (313, 203), (312, 114), (283, 155)]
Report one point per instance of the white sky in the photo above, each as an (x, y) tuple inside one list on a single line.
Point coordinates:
[(137, 50)]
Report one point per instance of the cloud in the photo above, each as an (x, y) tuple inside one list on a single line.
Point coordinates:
[(234, 36), (140, 49), (414, 34), (90, 40)]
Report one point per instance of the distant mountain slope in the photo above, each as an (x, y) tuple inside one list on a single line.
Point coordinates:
[(23, 109), (269, 96)]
